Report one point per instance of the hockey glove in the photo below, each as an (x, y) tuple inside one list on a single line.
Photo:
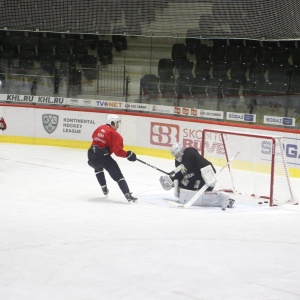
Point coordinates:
[(131, 156), (166, 182), (2, 124)]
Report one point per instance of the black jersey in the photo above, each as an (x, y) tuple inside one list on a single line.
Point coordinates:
[(190, 175)]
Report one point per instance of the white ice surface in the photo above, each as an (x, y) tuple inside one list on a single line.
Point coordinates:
[(61, 239)]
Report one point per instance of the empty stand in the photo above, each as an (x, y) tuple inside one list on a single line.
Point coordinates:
[(218, 52), (179, 52), (80, 48), (167, 87), (104, 51), (234, 52), (45, 47), (149, 86), (238, 71), (199, 89), (165, 68), (202, 69), (183, 87), (192, 39), (62, 48), (47, 62), (202, 52), (91, 40), (89, 64), (185, 68), (26, 61), (119, 39)]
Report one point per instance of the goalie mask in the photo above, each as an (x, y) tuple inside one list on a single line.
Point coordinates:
[(113, 120), (177, 151)]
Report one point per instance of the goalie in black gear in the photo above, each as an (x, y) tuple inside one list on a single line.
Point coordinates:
[(192, 172), (191, 163)]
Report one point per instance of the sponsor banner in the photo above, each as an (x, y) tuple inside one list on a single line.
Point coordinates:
[(281, 121), (109, 104), (61, 101), (190, 112), (66, 125), (161, 109), (51, 123), (233, 116), (202, 113), (211, 114), (81, 102), (136, 106), (87, 102), (34, 99), (164, 133), (137, 131), (74, 101)]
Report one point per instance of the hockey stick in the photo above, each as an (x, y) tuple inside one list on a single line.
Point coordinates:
[(201, 191), (154, 167)]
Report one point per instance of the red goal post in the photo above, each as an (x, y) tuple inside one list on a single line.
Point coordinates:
[(260, 169)]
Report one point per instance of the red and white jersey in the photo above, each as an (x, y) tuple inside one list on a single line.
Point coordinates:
[(107, 137), (2, 124)]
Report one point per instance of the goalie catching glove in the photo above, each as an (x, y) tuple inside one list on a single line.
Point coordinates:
[(166, 182)]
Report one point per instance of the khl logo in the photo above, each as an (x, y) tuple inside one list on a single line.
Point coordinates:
[(50, 122)]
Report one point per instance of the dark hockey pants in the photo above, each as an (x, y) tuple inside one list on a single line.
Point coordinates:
[(100, 160)]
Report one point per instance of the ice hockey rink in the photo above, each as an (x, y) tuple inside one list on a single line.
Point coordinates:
[(61, 239)]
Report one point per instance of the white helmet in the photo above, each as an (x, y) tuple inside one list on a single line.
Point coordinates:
[(177, 151), (113, 120)]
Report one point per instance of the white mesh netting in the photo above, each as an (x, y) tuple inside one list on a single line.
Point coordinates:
[(253, 172), (247, 19)]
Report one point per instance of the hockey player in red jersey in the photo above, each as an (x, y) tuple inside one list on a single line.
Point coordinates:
[(106, 141), (2, 124)]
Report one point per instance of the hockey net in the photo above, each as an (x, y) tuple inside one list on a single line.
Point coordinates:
[(258, 171)]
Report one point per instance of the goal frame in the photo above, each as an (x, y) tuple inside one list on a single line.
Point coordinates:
[(273, 140)]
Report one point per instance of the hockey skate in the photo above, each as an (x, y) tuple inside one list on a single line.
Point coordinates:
[(105, 190), (130, 198)]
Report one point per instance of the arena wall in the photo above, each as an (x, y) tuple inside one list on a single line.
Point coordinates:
[(144, 133)]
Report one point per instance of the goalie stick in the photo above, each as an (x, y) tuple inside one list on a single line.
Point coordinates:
[(170, 173), (201, 191)]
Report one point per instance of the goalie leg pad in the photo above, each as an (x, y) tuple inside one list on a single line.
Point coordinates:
[(166, 182), (186, 195), (215, 199), (176, 188), (208, 199)]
